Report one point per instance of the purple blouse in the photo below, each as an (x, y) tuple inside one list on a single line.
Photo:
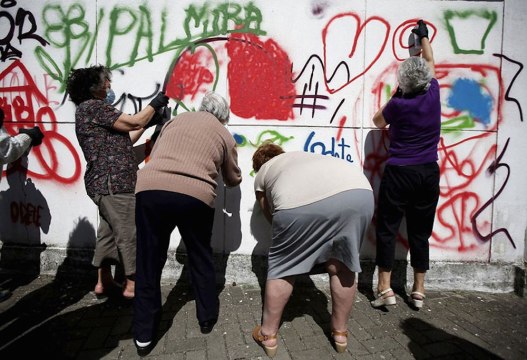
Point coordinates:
[(415, 127)]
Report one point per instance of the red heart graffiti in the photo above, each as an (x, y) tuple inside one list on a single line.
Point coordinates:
[(356, 33)]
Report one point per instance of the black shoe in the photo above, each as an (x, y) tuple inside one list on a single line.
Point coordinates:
[(207, 326), (144, 350), (4, 295)]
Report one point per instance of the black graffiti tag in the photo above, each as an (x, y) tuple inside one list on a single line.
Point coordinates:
[(25, 22)]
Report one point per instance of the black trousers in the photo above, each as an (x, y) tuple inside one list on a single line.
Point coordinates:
[(157, 214), (412, 191)]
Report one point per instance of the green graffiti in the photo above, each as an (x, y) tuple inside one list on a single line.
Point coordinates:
[(450, 16), (201, 22), (267, 135), (143, 32), (388, 91), (457, 124), (67, 28), (271, 135)]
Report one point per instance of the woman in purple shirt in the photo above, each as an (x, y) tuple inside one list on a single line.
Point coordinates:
[(410, 183)]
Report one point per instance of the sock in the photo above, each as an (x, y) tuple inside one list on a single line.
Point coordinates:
[(142, 344)]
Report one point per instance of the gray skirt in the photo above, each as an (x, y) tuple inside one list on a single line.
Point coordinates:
[(309, 235)]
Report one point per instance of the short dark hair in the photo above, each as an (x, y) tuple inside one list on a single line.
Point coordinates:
[(82, 83), (264, 153)]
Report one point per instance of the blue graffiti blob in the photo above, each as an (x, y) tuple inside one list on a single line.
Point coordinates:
[(467, 95), (240, 139)]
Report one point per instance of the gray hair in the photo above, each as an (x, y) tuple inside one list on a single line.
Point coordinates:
[(414, 75), (216, 105)]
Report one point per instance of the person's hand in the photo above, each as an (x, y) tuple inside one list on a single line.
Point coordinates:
[(160, 117), (35, 134), (421, 30), (161, 100)]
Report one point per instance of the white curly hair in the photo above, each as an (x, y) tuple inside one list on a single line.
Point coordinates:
[(414, 75), (216, 104)]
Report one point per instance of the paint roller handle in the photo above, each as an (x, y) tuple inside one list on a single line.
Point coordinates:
[(160, 101), (421, 30)]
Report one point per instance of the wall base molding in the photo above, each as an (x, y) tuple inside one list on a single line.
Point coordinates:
[(251, 270)]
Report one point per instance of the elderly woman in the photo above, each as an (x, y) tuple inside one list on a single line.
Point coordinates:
[(176, 188), (320, 208), (410, 183), (106, 136)]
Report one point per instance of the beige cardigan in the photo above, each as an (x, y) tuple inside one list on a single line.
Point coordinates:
[(188, 156)]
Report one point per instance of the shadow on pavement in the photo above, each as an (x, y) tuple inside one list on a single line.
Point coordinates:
[(427, 341)]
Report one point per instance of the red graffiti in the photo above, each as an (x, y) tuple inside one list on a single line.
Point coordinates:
[(463, 163), (401, 34), (342, 122), (357, 32), (24, 105), (259, 75), (459, 203), (190, 74)]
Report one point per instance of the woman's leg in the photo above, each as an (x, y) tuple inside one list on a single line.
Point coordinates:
[(419, 281), (390, 212), (277, 293), (343, 289), (384, 280), (420, 218), (105, 252), (104, 279), (195, 227), (154, 226), (119, 210)]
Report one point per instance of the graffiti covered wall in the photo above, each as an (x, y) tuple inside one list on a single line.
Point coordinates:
[(307, 74)]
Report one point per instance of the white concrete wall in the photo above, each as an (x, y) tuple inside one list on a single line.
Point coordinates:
[(309, 74)]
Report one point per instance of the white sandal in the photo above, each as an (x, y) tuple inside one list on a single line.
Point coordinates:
[(417, 303), (381, 300)]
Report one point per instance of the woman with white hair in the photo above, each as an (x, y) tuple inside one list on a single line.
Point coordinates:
[(410, 183), (176, 188)]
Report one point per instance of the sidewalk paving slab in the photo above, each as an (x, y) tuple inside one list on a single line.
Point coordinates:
[(62, 319)]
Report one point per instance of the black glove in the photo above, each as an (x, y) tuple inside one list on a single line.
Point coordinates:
[(1, 117), (421, 30), (159, 101), (35, 134), (160, 117)]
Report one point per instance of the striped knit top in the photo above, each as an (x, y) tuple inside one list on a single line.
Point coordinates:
[(189, 154)]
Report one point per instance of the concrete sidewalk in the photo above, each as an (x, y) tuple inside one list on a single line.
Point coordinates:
[(47, 318)]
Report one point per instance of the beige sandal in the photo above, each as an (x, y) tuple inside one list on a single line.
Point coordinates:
[(340, 346), (417, 299), (260, 338), (381, 300)]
